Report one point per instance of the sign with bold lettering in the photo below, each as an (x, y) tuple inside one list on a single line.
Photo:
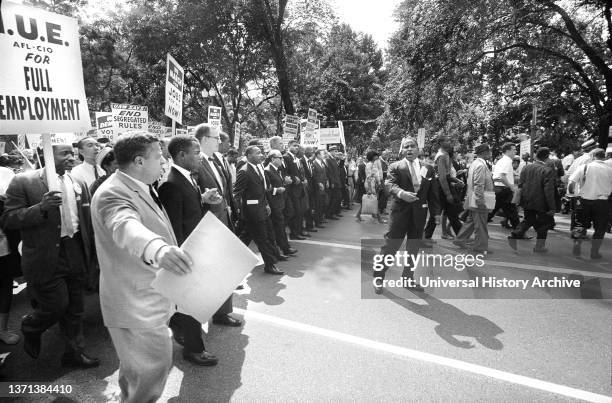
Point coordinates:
[(35, 140), (104, 123), (291, 127), (129, 117), (214, 116), (174, 90), (41, 79), (329, 135)]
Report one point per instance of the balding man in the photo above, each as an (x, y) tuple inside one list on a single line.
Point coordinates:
[(276, 199), (57, 252)]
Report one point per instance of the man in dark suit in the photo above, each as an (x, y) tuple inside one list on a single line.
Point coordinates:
[(334, 192), (276, 200), (58, 250), (319, 186), (537, 184), (250, 195), (343, 175), (411, 185), (181, 197), (296, 192), (210, 176)]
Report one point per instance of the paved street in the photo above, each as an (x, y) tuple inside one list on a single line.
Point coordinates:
[(310, 336)]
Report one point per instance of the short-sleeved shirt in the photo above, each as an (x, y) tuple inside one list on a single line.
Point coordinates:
[(596, 180), (503, 166)]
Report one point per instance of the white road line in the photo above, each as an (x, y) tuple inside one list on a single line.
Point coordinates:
[(559, 270), (431, 358)]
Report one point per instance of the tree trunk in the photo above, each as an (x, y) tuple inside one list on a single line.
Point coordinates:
[(603, 126)]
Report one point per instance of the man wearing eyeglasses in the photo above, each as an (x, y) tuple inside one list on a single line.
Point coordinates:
[(210, 176)]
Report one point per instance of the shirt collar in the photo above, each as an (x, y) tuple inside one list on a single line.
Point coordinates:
[(141, 184), (182, 170)]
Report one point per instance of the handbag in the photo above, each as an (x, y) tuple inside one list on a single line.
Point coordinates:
[(369, 204), (489, 197)]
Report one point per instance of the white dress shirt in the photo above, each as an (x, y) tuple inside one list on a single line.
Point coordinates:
[(85, 172), (596, 183), (184, 172), (503, 166), (6, 175), (215, 172)]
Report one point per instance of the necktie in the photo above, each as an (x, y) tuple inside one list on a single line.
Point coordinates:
[(154, 197), (261, 175), (65, 208), (95, 167), (415, 178)]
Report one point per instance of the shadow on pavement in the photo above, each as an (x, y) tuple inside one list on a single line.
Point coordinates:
[(452, 321)]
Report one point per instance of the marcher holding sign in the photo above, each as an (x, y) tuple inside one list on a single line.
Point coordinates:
[(129, 118), (41, 85)]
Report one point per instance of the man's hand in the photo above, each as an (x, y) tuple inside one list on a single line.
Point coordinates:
[(288, 180), (408, 197), (437, 219), (321, 187), (450, 199), (280, 190), (268, 210), (50, 200), (297, 181), (173, 259), (212, 196), (550, 213)]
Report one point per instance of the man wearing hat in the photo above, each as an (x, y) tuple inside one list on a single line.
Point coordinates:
[(106, 160), (479, 181), (575, 202), (58, 251)]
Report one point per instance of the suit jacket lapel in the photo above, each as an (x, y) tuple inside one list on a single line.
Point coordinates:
[(205, 164), (145, 196)]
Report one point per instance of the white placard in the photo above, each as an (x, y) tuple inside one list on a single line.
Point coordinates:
[(129, 117), (41, 79), (330, 135), (174, 90), (342, 138), (525, 147), (291, 127), (220, 262), (237, 134), (36, 140), (421, 138)]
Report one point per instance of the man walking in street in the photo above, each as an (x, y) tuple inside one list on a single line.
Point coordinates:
[(503, 176), (537, 187)]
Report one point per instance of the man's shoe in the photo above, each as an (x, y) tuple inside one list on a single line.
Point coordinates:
[(273, 270), (31, 343), (204, 358), (415, 287), (332, 218), (339, 215), (428, 243), (290, 251), (79, 360), (596, 255), (296, 238), (540, 250), (282, 258), (310, 230), (226, 320)]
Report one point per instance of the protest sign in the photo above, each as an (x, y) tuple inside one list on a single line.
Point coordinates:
[(290, 127), (129, 117), (329, 135), (21, 141), (236, 135), (220, 262), (158, 129), (342, 139), (214, 116), (174, 90), (525, 147), (421, 138), (309, 136), (41, 85), (35, 140), (181, 131), (104, 123)]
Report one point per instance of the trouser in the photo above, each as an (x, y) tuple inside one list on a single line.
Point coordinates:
[(260, 232), (596, 212), (308, 212), (189, 330), (296, 217), (475, 223), (405, 222), (278, 223), (60, 298), (578, 221), (345, 199), (320, 206), (503, 201), (451, 210), (540, 221), (333, 206), (145, 359), (382, 200)]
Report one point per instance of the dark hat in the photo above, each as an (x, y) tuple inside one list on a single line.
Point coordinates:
[(482, 148)]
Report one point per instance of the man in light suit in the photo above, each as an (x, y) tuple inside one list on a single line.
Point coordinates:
[(479, 180), (134, 240), (411, 185), (57, 253)]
